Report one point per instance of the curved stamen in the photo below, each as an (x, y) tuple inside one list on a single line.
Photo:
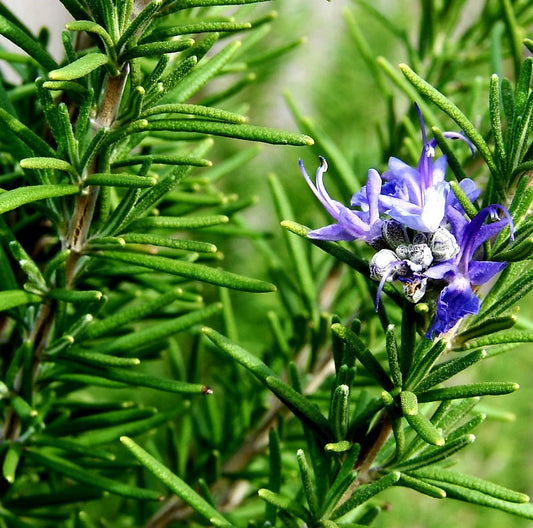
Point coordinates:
[(390, 271), (422, 124), (319, 190)]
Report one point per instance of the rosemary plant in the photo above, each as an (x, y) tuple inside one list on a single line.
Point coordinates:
[(146, 382)]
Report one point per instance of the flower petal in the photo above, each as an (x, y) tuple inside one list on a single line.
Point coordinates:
[(455, 301), (480, 272), (332, 232), (441, 271), (439, 169)]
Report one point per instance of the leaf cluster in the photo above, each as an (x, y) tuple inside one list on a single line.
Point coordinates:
[(108, 264)]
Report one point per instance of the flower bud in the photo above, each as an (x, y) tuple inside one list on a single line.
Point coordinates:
[(443, 245), (421, 255), (420, 238), (418, 256), (382, 264), (394, 233)]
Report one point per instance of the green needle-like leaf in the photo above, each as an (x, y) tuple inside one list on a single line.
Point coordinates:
[(237, 131), (11, 461), (112, 433), (339, 411), (298, 403), (75, 296), (46, 163), (175, 243), (475, 497), (425, 362), (513, 337), (26, 42), (80, 67), (12, 298), (422, 425), (307, 482), (165, 159), (286, 505), (96, 359), (156, 49), (190, 270), (23, 195), (453, 111), (393, 357), (203, 73), (92, 27), (178, 222), (471, 482), (421, 486), (175, 484), (139, 21), (32, 140), (436, 454), (89, 478), (489, 388), (159, 330), (296, 246), (496, 118), (365, 493), (120, 180), (363, 355), (120, 319), (191, 109), (449, 369), (139, 379)]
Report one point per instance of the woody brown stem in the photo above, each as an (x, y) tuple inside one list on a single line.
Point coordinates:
[(76, 237), (82, 216)]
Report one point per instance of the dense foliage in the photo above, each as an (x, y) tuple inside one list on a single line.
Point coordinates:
[(171, 356)]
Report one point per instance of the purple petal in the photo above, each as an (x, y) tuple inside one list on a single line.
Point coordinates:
[(455, 301), (458, 222), (480, 272), (332, 232), (359, 199), (439, 169), (442, 270), (406, 178), (476, 232), (373, 190), (434, 206)]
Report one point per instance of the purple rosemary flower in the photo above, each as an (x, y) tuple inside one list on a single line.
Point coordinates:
[(350, 224), (462, 272), (418, 198)]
